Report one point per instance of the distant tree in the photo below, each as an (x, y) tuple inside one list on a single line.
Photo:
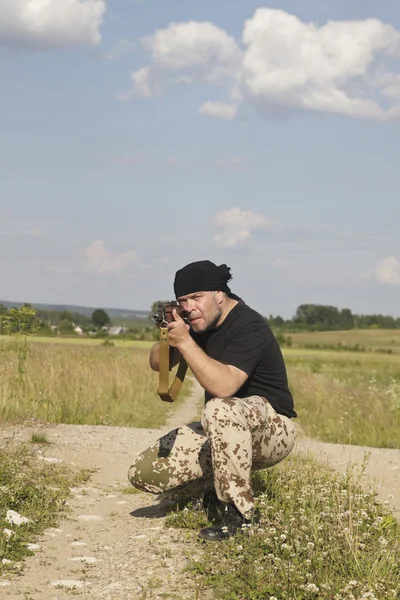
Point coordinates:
[(66, 316), (346, 319), (65, 326), (100, 318)]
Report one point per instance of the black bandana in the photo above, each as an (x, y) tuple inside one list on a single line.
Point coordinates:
[(202, 276)]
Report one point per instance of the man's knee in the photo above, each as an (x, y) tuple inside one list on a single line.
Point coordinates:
[(147, 476), (217, 411)]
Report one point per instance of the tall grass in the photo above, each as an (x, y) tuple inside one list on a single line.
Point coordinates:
[(347, 401), (77, 384)]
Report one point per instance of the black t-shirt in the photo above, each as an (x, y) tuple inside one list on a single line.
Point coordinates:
[(244, 340)]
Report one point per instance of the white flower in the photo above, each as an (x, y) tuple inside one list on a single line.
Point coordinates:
[(311, 587)]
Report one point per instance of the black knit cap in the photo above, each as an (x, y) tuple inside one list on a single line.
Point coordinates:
[(202, 276)]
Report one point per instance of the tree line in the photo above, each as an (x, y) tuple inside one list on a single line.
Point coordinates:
[(308, 317), (321, 317)]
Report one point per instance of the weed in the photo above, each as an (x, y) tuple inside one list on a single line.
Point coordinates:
[(39, 438)]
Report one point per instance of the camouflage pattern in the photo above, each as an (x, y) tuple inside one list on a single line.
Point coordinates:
[(235, 436)]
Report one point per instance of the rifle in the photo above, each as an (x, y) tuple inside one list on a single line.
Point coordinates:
[(162, 317)]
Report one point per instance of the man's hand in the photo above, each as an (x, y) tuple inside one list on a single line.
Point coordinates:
[(178, 331)]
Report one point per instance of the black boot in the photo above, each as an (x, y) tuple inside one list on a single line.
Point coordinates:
[(232, 522)]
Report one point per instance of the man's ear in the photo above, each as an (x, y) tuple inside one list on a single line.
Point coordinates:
[(220, 296)]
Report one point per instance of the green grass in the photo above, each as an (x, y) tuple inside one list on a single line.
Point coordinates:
[(347, 398), (39, 438), (34, 490), (81, 384), (321, 537)]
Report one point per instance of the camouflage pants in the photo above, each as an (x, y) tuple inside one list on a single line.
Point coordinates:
[(235, 436)]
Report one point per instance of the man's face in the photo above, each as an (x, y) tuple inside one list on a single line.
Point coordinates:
[(203, 310)]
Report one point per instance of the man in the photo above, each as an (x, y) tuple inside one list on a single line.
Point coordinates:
[(246, 422)]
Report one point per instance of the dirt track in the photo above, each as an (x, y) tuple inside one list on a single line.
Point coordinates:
[(115, 546)]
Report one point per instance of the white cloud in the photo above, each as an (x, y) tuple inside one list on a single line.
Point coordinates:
[(97, 258), (388, 271), (204, 49), (51, 22), (193, 45), (220, 110), (144, 86), (236, 226), (342, 67)]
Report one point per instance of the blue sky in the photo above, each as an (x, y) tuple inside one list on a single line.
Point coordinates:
[(140, 136)]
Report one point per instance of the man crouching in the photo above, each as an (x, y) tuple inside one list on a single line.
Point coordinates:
[(246, 422)]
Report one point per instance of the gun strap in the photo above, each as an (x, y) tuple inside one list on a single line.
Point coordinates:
[(166, 393)]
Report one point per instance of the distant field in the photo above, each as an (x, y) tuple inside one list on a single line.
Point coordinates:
[(387, 339), (78, 341)]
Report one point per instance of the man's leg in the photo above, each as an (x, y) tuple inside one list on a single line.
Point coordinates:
[(181, 459), (244, 434)]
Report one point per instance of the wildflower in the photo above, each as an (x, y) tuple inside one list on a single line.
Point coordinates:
[(311, 587)]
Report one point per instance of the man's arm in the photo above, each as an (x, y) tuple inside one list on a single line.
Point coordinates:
[(216, 378), (154, 358)]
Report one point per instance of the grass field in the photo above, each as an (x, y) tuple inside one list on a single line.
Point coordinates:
[(80, 383), (344, 397), (340, 396), (368, 339)]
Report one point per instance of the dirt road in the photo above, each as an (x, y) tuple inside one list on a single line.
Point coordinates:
[(115, 546)]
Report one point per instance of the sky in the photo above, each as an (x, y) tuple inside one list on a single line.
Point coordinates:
[(140, 136)]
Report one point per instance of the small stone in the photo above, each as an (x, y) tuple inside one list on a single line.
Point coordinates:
[(33, 546), (111, 496), (122, 502), (5, 561), (90, 518), (78, 544), (4, 583), (16, 519), (139, 537), (86, 559)]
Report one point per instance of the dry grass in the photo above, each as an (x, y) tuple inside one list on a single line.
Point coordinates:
[(80, 384), (347, 398)]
